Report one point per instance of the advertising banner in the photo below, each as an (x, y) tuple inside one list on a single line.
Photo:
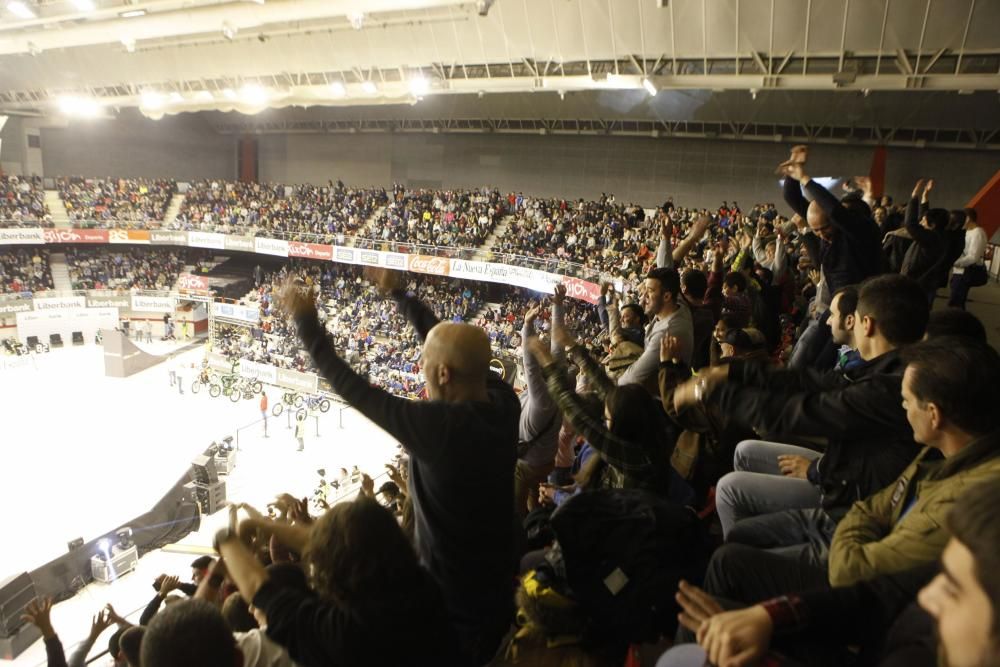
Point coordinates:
[(243, 243), (581, 289), (153, 304), (277, 247), (128, 236), (168, 238), (206, 240), (346, 255), (520, 276), (304, 382), (395, 260), (189, 281), (435, 266), (16, 306), (75, 235), (60, 303), (310, 250), (258, 371), (17, 235), (235, 312), (121, 301)]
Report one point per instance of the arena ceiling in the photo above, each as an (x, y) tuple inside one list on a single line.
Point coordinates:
[(735, 66)]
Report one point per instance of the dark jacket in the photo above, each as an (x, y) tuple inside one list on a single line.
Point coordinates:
[(855, 252), (924, 259), (859, 414)]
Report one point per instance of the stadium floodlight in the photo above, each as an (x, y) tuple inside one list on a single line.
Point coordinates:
[(229, 93), (369, 87), (254, 94), (84, 5), (204, 96), (151, 99), (419, 85), (20, 10), (357, 20), (75, 105), (649, 86), (337, 89), (132, 13), (129, 44), (176, 98)]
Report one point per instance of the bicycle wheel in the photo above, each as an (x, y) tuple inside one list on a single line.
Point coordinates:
[(324, 405), (214, 377), (301, 414), (195, 387), (257, 386), (278, 409), (214, 390), (235, 396), (298, 400)]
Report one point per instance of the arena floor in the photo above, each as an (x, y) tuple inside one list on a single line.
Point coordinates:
[(85, 453)]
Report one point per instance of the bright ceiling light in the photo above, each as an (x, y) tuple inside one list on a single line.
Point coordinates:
[(176, 98), (337, 89), (254, 94), (229, 93), (151, 99), (649, 86), (229, 31), (132, 13), (20, 10), (84, 5), (83, 107), (357, 20), (419, 85), (129, 44), (204, 96), (369, 87)]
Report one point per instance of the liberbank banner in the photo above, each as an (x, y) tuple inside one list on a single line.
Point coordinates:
[(519, 276)]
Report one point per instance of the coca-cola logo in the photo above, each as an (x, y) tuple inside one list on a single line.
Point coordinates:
[(437, 266)]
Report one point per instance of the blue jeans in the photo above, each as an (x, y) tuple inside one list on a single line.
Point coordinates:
[(757, 485)]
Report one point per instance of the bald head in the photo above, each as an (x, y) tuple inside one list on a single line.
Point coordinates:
[(456, 361), (819, 222)]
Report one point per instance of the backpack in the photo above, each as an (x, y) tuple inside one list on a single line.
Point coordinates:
[(621, 554)]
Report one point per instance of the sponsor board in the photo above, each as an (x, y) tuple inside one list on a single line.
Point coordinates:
[(128, 236), (581, 289), (436, 266), (370, 257), (110, 301), (75, 235), (235, 312), (168, 238), (305, 382), (206, 240), (519, 276), (258, 371), (344, 255), (310, 250), (60, 303), (244, 243), (396, 260), (153, 304), (19, 235), (277, 247), (16, 306), (189, 281)]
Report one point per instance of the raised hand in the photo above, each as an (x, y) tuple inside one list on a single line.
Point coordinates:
[(865, 183), (670, 348), (38, 612), (799, 154), (701, 225), (559, 294), (169, 584), (114, 616), (367, 485), (918, 188), (295, 298), (385, 280), (539, 350), (561, 335), (101, 622), (667, 228), (929, 186)]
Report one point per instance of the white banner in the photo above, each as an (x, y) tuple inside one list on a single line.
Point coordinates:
[(278, 247), (533, 279), (153, 304), (19, 235), (235, 312), (258, 371), (207, 240), (60, 303)]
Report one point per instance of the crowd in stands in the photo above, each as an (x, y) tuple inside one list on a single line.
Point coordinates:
[(332, 210), (24, 270), (761, 447), (442, 218), (124, 268), (22, 202), (116, 202)]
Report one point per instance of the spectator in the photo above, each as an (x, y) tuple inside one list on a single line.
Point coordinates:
[(191, 633), (969, 269)]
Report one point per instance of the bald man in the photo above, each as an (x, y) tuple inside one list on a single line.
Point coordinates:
[(462, 445)]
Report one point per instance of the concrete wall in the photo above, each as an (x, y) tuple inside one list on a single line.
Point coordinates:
[(184, 147), (695, 172)]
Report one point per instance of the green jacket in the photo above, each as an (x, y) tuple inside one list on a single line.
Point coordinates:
[(876, 537)]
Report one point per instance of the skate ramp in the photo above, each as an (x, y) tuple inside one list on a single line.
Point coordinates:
[(122, 358)]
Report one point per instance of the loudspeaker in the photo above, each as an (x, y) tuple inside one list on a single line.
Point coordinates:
[(74, 544), (11, 647), (15, 594)]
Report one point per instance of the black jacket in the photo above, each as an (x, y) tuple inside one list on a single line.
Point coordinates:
[(855, 252), (924, 259), (859, 413)]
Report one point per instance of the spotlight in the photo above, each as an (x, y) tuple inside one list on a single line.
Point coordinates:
[(124, 538), (337, 89), (369, 87), (229, 93), (229, 31), (104, 549), (419, 85), (151, 99), (204, 96), (74, 105), (20, 10), (649, 86), (176, 98), (132, 13), (357, 20), (84, 5), (129, 44), (254, 94)]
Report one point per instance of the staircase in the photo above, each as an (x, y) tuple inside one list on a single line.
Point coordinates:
[(498, 233), (57, 209), (173, 209), (60, 270), (365, 230)]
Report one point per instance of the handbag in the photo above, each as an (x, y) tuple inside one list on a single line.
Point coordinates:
[(976, 275)]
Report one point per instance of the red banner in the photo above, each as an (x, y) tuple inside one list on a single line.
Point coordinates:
[(128, 236), (75, 235), (188, 281), (581, 289), (437, 266), (310, 250)]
